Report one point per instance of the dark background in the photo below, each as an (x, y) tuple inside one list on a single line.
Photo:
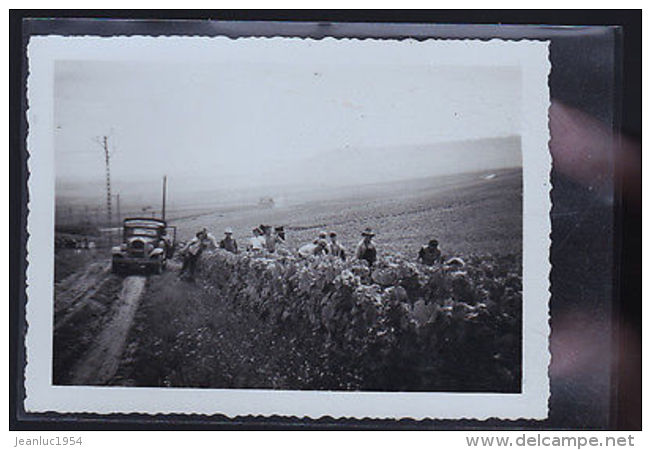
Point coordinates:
[(609, 238)]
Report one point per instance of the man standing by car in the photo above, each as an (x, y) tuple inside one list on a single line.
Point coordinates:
[(193, 250)]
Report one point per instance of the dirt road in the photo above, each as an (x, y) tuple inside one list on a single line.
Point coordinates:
[(93, 312), (102, 359), (75, 290)]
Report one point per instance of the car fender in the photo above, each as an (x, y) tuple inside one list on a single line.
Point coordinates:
[(156, 252)]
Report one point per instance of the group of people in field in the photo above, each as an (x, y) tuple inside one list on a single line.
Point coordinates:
[(263, 239), (322, 246), (266, 238)]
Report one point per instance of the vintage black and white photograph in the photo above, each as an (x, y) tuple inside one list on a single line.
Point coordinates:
[(358, 224)]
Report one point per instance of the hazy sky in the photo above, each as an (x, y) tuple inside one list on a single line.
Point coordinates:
[(245, 123)]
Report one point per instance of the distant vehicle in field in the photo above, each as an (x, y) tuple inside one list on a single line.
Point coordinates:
[(147, 243), (266, 202)]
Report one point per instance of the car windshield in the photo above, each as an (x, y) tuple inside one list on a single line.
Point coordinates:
[(138, 231)]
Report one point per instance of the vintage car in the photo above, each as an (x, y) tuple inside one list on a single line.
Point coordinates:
[(147, 243)]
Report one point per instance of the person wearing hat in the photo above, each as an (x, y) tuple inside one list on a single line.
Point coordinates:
[(208, 240), (193, 250), (228, 243), (430, 254), (366, 249), (336, 249), (201, 241)]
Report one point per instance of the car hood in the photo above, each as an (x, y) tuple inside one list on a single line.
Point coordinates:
[(146, 239)]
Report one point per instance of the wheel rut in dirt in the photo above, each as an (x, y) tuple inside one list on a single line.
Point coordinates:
[(99, 364), (76, 289)]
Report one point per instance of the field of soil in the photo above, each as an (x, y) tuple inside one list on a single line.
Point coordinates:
[(467, 213), (158, 330)]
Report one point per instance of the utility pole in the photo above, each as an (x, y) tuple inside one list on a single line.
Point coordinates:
[(109, 216), (164, 195), (117, 207)]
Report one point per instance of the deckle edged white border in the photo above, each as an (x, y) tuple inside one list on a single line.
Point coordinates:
[(42, 396)]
